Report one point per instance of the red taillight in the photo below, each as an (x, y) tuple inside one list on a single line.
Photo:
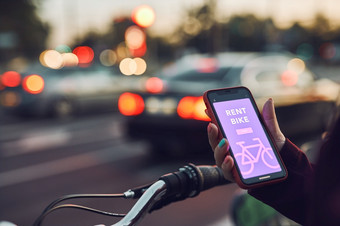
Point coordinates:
[(192, 108), (207, 65), (154, 85), (33, 84), (85, 54), (130, 104), (11, 79), (289, 78)]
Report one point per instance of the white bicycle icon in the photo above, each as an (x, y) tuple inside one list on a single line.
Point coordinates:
[(249, 160)]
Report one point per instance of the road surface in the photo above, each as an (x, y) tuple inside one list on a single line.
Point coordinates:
[(43, 159)]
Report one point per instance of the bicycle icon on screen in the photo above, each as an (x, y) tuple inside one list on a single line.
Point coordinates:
[(248, 159)]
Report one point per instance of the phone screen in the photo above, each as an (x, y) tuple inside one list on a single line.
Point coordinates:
[(248, 140)]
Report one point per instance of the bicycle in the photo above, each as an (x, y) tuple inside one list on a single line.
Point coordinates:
[(247, 158), (187, 182)]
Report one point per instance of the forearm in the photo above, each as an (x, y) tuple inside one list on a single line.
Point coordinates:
[(289, 197)]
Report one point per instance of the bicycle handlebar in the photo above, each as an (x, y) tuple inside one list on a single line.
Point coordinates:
[(188, 182)]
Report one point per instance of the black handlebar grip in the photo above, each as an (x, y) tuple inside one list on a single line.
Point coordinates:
[(189, 181), (210, 176)]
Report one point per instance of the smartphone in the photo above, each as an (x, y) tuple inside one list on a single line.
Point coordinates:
[(257, 160)]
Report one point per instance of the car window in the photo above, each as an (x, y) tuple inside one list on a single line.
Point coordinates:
[(269, 76), (195, 75), (233, 76)]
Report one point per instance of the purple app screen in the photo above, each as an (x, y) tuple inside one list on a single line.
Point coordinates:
[(247, 139)]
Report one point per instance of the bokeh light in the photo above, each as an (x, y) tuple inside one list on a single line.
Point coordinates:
[(122, 51), (305, 51), (143, 16), (153, 105), (327, 50), (85, 54), (185, 107), (289, 78), (139, 52), (108, 57), (11, 79), (169, 106), (1, 85), (134, 37), (63, 49), (33, 84), (192, 108), (129, 66), (51, 59), (297, 65), (199, 110), (154, 85), (70, 59), (141, 66), (130, 104), (10, 99), (207, 65)]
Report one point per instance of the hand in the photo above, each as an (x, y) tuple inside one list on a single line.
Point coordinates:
[(221, 152), (269, 117), (221, 147)]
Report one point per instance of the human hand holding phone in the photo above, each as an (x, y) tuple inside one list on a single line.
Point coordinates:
[(221, 147), (223, 159)]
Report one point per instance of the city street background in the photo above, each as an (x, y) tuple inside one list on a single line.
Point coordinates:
[(66, 67)]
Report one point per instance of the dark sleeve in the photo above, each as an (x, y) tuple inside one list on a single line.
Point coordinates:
[(290, 197)]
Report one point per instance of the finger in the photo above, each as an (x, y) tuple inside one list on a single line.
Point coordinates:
[(221, 151), (269, 116), (224, 160), (213, 135), (227, 166)]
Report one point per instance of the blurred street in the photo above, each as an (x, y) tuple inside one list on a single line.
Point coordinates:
[(42, 160), (98, 97)]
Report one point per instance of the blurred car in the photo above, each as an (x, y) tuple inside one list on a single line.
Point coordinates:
[(41, 91), (169, 113)]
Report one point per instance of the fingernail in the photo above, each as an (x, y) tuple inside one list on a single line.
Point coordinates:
[(222, 143)]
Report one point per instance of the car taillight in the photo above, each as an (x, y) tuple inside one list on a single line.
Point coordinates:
[(130, 104), (154, 85), (11, 79), (207, 65), (33, 84), (192, 108), (289, 78)]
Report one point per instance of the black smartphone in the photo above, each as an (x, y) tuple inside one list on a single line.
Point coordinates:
[(257, 160)]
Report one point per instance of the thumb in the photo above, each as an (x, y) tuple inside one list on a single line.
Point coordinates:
[(269, 116)]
